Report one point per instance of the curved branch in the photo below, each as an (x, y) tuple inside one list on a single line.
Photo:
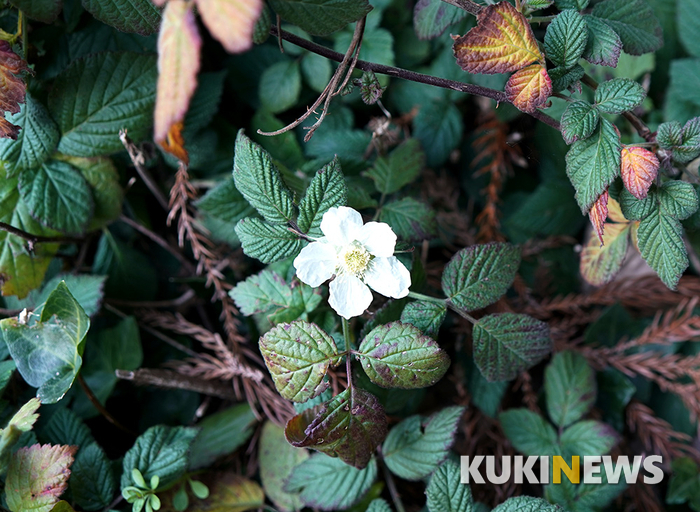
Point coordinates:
[(32, 240), (405, 74)]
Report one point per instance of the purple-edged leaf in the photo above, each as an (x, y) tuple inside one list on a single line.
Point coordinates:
[(298, 356), (418, 445), (349, 426), (579, 121), (426, 316), (570, 388), (604, 45), (588, 437), (479, 275), (634, 21), (398, 355), (506, 344), (370, 88)]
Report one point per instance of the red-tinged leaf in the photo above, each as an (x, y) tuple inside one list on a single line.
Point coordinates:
[(178, 63), (529, 88), (639, 168), (501, 42), (598, 213), (12, 88), (8, 130), (601, 263), (231, 22), (37, 476)]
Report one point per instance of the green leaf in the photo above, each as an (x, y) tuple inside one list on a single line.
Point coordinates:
[(67, 312), (619, 95), (45, 11), (426, 316), (506, 344), (321, 17), (298, 356), (379, 505), (570, 388), (593, 163), (579, 121), (401, 167), (349, 426), (330, 484), (683, 142), (92, 482), (688, 16), (277, 462), (371, 89), (161, 451), (432, 17), (222, 207), (37, 476), (418, 445), (21, 423), (526, 503), (579, 5), (316, 70), (660, 240), (604, 45), (257, 178), (220, 434), (411, 220), (678, 199), (684, 482), (326, 190), (445, 491), (57, 196), (486, 395), (438, 126), (263, 292), (588, 437), (7, 368), (280, 85), (266, 242), (36, 141), (204, 104), (99, 95), (635, 23), (64, 427), (566, 38), (397, 355), (139, 16), (529, 432), (479, 275), (563, 78), (637, 209)]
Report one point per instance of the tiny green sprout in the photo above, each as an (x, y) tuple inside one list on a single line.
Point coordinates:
[(199, 489), (142, 495), (180, 499)]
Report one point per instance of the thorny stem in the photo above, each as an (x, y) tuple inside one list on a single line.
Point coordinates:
[(348, 349), (404, 74), (465, 5), (104, 412), (32, 240)]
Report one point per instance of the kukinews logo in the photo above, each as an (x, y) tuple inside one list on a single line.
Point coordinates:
[(588, 469)]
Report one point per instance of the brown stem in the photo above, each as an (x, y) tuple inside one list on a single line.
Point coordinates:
[(155, 304), (173, 380), (104, 412), (466, 5), (32, 240), (139, 162)]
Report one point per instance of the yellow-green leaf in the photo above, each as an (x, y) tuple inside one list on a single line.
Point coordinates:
[(529, 88)]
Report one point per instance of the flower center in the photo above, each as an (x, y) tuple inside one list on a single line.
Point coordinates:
[(355, 260)]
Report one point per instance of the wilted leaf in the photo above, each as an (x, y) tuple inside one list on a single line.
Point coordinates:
[(600, 263), (639, 168), (13, 88), (501, 42), (231, 22), (529, 88), (598, 213)]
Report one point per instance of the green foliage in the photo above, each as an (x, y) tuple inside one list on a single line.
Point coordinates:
[(618, 95), (280, 86), (92, 482), (579, 121), (412, 220), (401, 167), (445, 491), (426, 316), (682, 142), (139, 16), (326, 190), (529, 432), (321, 17), (221, 434), (635, 23), (604, 45), (683, 485), (266, 242), (277, 462), (566, 38), (570, 388), (432, 17)]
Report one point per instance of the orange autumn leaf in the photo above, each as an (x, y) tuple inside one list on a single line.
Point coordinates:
[(174, 143), (639, 168), (12, 88), (231, 22), (501, 42), (529, 88), (598, 213), (178, 63)]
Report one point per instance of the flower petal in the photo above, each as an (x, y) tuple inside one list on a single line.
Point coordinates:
[(378, 238), (316, 263), (389, 277), (340, 225), (349, 296)]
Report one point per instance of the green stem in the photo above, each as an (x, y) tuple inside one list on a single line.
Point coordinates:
[(348, 348), (541, 19), (427, 298)]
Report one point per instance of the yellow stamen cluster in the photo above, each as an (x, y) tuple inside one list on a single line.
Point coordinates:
[(356, 259)]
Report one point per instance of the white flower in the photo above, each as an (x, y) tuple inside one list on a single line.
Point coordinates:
[(358, 255)]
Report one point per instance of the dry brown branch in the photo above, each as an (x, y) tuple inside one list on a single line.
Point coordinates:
[(169, 379)]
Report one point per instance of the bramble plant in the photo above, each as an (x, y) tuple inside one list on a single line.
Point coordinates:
[(307, 253)]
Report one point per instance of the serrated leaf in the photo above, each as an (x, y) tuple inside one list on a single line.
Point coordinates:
[(619, 95), (57, 196), (401, 167), (36, 141), (678, 199), (20, 423), (266, 242), (99, 95), (257, 178), (527, 503), (639, 168), (221, 434), (566, 79), (570, 388), (231, 22), (326, 190), (379, 505), (635, 23), (298, 356), (593, 163), (604, 45), (205, 102), (637, 209), (684, 142), (321, 17), (426, 316), (262, 292), (566, 38), (179, 43), (528, 432), (349, 426), (411, 220), (418, 445), (588, 437), (161, 451), (438, 126), (597, 215), (501, 42), (330, 484), (660, 241), (446, 493), (277, 462), (398, 355), (579, 5), (139, 16), (432, 17), (579, 121), (529, 88), (92, 481), (37, 476), (688, 19), (479, 275), (601, 263), (45, 11), (506, 344), (223, 207), (64, 427)]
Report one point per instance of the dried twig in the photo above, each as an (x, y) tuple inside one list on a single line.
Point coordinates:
[(139, 162), (32, 240), (174, 380)]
